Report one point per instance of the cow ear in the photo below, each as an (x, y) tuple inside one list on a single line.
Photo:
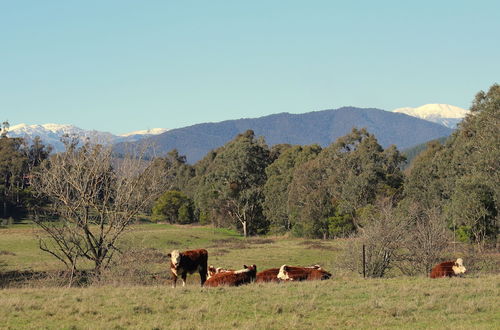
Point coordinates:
[(245, 266), (169, 255)]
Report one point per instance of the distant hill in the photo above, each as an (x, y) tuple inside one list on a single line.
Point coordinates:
[(321, 127)]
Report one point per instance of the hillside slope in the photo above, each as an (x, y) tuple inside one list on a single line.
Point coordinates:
[(321, 127)]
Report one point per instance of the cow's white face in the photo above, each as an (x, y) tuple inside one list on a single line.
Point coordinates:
[(175, 258), (283, 275), (459, 268)]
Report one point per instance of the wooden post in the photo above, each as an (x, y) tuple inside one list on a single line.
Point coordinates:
[(364, 262)]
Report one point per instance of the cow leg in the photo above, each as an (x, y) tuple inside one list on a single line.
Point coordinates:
[(203, 275), (174, 281), (183, 277)]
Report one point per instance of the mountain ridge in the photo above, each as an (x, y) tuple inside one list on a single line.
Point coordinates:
[(321, 127), (51, 134)]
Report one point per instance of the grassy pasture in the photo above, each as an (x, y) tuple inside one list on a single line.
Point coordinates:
[(463, 303), (346, 301), (19, 248)]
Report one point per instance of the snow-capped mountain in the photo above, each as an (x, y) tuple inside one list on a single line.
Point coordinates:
[(151, 131), (444, 114), (52, 133)]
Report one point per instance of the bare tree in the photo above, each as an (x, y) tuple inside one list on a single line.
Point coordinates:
[(383, 236), (426, 240), (93, 199)]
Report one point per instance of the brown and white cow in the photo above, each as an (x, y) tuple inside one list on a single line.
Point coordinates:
[(182, 263), (268, 275), (233, 278), (448, 269), (213, 270), (290, 273)]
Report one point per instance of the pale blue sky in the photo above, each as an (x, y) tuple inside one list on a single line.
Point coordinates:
[(124, 65)]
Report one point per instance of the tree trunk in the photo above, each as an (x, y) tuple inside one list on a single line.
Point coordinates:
[(244, 228)]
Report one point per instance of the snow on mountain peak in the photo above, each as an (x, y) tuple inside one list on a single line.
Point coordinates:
[(444, 114), (52, 133), (151, 131)]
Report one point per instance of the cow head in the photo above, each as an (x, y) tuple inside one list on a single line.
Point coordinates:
[(458, 267), (247, 269), (175, 258), (252, 268), (283, 273)]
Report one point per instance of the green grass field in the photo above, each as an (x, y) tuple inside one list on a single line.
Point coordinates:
[(346, 301)]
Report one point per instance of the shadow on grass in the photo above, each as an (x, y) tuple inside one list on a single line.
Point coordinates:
[(29, 278)]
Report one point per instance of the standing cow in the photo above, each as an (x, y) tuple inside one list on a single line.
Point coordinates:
[(182, 263), (233, 278), (448, 269), (290, 273)]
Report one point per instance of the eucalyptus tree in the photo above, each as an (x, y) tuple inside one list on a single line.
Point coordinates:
[(276, 189), (231, 181), (462, 177), (332, 189)]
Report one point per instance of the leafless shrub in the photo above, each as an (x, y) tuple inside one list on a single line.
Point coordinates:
[(93, 201), (425, 242), (383, 236)]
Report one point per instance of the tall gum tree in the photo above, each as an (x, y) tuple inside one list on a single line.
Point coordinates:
[(346, 176), (231, 185)]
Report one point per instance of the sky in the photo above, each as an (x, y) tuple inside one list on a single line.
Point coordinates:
[(120, 65)]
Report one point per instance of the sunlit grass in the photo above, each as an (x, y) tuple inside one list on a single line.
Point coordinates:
[(341, 302)]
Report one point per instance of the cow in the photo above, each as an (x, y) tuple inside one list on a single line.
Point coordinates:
[(233, 278), (448, 269), (182, 263), (268, 275), (290, 273), (212, 271)]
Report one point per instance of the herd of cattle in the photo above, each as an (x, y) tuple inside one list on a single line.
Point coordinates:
[(189, 262)]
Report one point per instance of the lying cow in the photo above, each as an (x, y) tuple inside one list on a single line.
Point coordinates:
[(182, 263), (290, 273), (448, 269), (233, 278), (268, 275), (212, 271)]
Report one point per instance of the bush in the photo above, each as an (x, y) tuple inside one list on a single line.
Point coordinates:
[(174, 207)]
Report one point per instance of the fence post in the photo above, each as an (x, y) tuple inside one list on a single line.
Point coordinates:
[(364, 262)]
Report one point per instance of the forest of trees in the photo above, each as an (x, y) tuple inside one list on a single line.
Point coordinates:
[(344, 189)]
